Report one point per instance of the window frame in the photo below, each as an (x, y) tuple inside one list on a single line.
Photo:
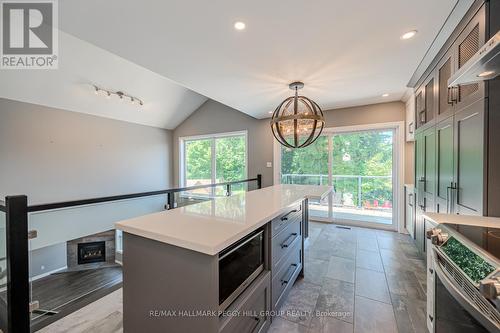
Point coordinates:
[(213, 138)]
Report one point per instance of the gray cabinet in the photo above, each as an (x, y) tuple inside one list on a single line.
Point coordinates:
[(429, 168), (469, 159), (444, 165), (445, 94), (467, 44), (286, 252)]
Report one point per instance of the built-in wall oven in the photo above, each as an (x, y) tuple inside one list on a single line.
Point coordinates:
[(465, 272), (239, 265)]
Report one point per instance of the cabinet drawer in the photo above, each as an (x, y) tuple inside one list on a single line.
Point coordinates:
[(283, 280), (248, 313), (280, 222), (282, 244)]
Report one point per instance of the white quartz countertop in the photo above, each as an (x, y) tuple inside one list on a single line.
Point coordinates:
[(472, 220), (211, 226)]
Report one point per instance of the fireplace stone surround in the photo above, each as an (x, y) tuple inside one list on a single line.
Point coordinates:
[(108, 237)]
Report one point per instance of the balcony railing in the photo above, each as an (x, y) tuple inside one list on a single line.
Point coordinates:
[(360, 191), (15, 215)]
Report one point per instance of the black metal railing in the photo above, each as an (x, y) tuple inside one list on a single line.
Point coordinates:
[(16, 211)]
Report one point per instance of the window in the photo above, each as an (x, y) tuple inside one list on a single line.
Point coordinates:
[(213, 159)]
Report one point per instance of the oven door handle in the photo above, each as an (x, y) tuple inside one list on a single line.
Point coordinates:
[(461, 298), (240, 245)]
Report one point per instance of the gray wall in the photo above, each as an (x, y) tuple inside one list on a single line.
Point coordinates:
[(52, 155), (56, 155), (213, 117)]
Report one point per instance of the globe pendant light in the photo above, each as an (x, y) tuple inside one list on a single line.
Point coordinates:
[(297, 121)]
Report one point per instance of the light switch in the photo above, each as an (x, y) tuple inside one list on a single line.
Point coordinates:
[(269, 164)]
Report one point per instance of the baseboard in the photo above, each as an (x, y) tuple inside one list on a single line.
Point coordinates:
[(37, 277)]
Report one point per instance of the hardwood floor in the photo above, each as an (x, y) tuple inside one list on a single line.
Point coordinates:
[(356, 280), (67, 292)]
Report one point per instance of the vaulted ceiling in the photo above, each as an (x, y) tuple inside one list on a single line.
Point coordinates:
[(176, 54)]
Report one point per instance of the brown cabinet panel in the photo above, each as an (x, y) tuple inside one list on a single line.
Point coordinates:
[(469, 159)]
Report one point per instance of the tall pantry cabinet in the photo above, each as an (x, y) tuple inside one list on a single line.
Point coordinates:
[(450, 139)]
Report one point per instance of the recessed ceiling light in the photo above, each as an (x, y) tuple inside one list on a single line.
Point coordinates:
[(240, 25), (409, 34), (487, 73), (385, 95)]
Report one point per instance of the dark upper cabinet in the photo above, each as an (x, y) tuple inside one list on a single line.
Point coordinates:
[(466, 45), (420, 107), (469, 159), (444, 165), (444, 69)]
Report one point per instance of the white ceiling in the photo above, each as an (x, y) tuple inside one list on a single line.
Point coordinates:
[(347, 52), (81, 64)]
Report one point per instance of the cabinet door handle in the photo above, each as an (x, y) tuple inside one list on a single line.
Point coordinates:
[(448, 201), (410, 128), (289, 274), (285, 217), (431, 318), (449, 99), (455, 93), (287, 241)]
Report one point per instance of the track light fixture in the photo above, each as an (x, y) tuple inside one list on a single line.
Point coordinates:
[(120, 94)]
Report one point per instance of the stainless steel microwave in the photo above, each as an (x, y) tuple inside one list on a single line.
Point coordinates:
[(239, 265)]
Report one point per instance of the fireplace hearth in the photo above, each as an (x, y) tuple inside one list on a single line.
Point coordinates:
[(91, 252)]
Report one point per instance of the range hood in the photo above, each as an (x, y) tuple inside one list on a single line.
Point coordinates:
[(484, 65)]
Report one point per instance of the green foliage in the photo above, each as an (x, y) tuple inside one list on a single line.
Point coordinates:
[(229, 163), (363, 154), (198, 159)]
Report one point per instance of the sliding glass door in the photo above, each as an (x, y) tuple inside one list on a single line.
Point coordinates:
[(360, 166)]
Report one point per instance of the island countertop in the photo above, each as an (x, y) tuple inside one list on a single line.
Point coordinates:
[(211, 226)]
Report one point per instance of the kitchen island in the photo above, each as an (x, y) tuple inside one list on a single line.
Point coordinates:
[(184, 269)]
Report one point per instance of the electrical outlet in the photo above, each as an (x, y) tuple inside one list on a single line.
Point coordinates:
[(269, 164)]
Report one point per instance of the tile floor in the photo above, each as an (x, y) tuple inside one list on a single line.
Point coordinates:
[(356, 280)]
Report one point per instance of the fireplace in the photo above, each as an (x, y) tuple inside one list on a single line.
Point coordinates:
[(91, 252)]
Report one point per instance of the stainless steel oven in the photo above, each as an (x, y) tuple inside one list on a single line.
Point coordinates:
[(239, 265), (466, 279)]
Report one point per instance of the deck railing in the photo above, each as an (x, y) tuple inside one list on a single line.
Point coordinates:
[(364, 189)]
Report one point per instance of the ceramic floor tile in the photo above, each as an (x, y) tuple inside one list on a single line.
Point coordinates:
[(373, 317), (336, 299), (341, 269), (300, 303), (330, 325), (315, 270), (280, 325), (372, 284), (368, 243), (369, 260)]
